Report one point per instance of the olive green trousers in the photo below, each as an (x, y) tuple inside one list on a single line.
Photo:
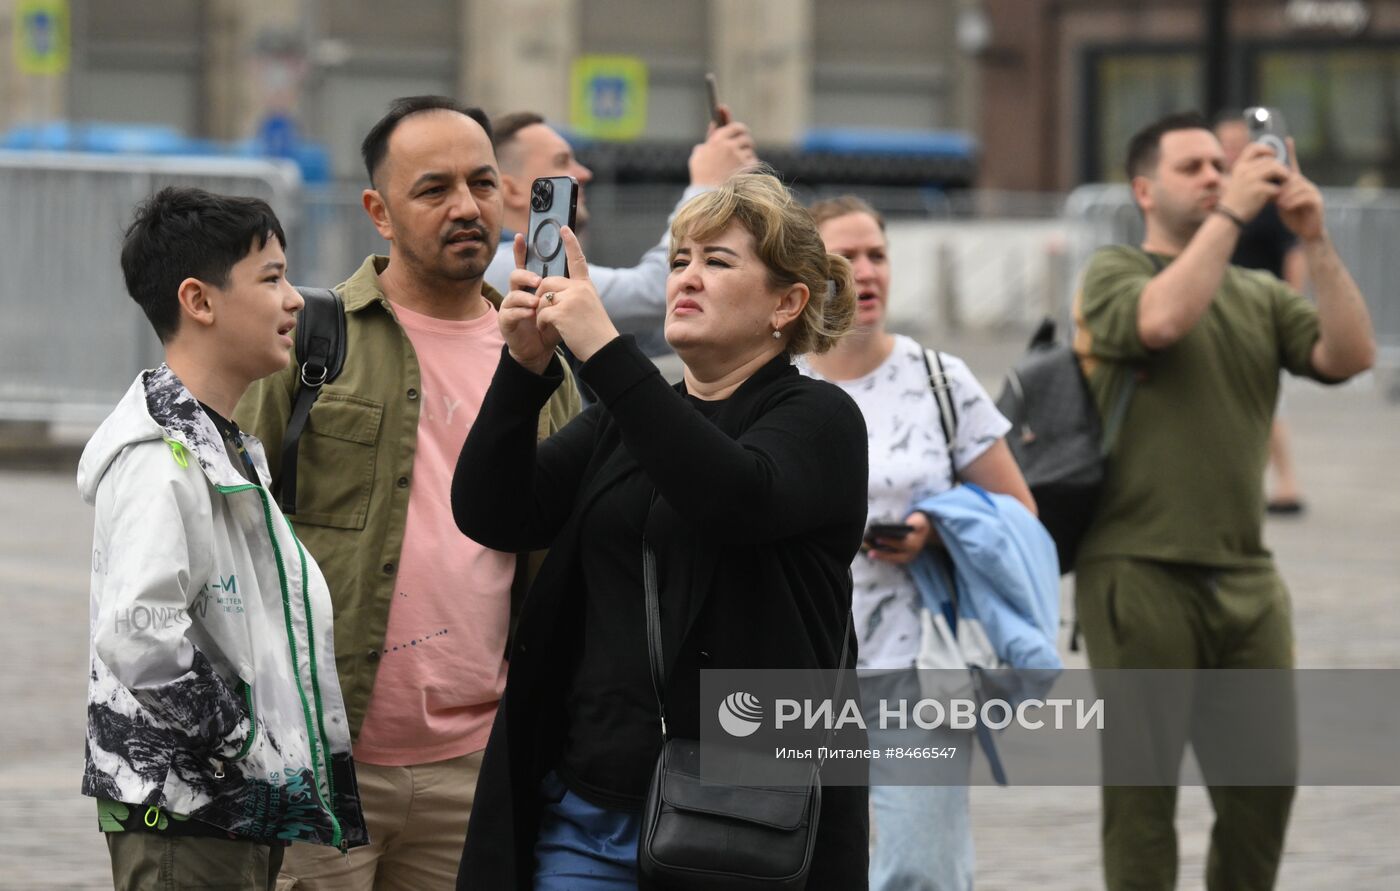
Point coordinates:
[(154, 861), (1137, 614)]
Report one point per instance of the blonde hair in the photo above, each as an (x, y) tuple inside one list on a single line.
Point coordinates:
[(842, 206), (790, 247)]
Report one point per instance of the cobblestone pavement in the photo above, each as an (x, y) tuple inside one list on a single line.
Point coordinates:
[(1340, 559)]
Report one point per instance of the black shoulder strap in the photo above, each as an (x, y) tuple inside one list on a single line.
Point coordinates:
[(942, 389), (1156, 261), (655, 656), (320, 336), (657, 659), (1113, 424)]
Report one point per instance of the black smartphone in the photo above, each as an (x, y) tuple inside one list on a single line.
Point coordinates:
[(553, 205), (885, 530), (712, 96), (1266, 127)]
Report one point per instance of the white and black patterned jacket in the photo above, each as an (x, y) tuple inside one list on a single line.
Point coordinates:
[(212, 684)]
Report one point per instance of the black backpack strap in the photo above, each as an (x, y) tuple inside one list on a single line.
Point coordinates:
[(1114, 422), (320, 337), (942, 389)]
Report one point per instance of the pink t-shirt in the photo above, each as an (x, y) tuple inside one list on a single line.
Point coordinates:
[(443, 668)]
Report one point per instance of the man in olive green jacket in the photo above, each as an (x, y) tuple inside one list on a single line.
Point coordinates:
[(422, 613)]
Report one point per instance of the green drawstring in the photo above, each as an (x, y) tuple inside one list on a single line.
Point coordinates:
[(178, 450)]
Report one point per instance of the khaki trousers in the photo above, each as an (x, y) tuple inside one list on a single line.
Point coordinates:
[(1146, 614), (417, 820)]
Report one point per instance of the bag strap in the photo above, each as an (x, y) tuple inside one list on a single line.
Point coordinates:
[(1114, 423), (655, 656), (943, 563), (320, 342), (942, 389), (982, 731)]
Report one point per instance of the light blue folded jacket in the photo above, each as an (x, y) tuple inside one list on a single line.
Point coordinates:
[(1008, 576)]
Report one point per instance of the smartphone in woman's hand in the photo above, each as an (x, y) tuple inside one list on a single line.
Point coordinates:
[(877, 531)]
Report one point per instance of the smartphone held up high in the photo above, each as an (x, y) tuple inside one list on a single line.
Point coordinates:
[(712, 97), (1266, 127), (553, 205)]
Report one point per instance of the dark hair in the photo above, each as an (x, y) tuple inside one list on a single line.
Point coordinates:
[(1144, 147), (507, 125), (181, 233), (376, 142), (1230, 116)]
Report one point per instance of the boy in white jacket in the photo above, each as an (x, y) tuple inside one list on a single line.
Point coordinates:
[(216, 730)]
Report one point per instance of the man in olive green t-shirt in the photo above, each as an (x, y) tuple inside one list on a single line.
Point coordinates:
[(1173, 573)]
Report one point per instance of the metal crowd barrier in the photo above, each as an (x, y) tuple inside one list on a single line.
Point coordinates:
[(1364, 225), (333, 236), (974, 260), (72, 339)]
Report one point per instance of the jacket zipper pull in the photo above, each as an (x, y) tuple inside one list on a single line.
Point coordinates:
[(218, 769)]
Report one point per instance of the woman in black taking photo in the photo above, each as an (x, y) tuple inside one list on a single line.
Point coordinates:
[(748, 481)]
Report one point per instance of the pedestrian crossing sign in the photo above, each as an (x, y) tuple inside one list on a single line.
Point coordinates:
[(41, 36), (609, 97)]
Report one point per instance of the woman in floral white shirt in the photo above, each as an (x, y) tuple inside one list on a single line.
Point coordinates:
[(923, 836)]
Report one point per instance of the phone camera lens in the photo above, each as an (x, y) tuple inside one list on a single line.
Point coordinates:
[(541, 195)]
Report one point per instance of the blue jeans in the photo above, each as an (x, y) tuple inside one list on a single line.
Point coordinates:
[(922, 835), (923, 839), (583, 847)]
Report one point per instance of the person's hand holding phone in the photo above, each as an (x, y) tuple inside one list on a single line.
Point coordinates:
[(727, 150), (570, 307), (901, 549), (528, 343), (1300, 202), (1256, 179)]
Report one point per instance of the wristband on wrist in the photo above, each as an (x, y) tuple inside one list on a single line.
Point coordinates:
[(1229, 214)]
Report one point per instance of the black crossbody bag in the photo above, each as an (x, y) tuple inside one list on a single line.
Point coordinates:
[(706, 836)]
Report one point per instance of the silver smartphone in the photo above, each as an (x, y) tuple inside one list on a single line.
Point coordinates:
[(712, 97), (553, 205), (1266, 127)]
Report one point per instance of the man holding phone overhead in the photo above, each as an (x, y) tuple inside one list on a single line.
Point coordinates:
[(635, 297), (422, 613), (1173, 572)]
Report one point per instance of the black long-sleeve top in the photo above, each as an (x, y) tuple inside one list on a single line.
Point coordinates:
[(761, 506)]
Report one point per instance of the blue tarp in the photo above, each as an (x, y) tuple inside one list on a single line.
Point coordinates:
[(953, 144), (155, 139)]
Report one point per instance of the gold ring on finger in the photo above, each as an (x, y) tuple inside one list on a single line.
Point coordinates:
[(549, 296)]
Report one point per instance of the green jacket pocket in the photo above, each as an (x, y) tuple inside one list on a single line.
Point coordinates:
[(336, 461)]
